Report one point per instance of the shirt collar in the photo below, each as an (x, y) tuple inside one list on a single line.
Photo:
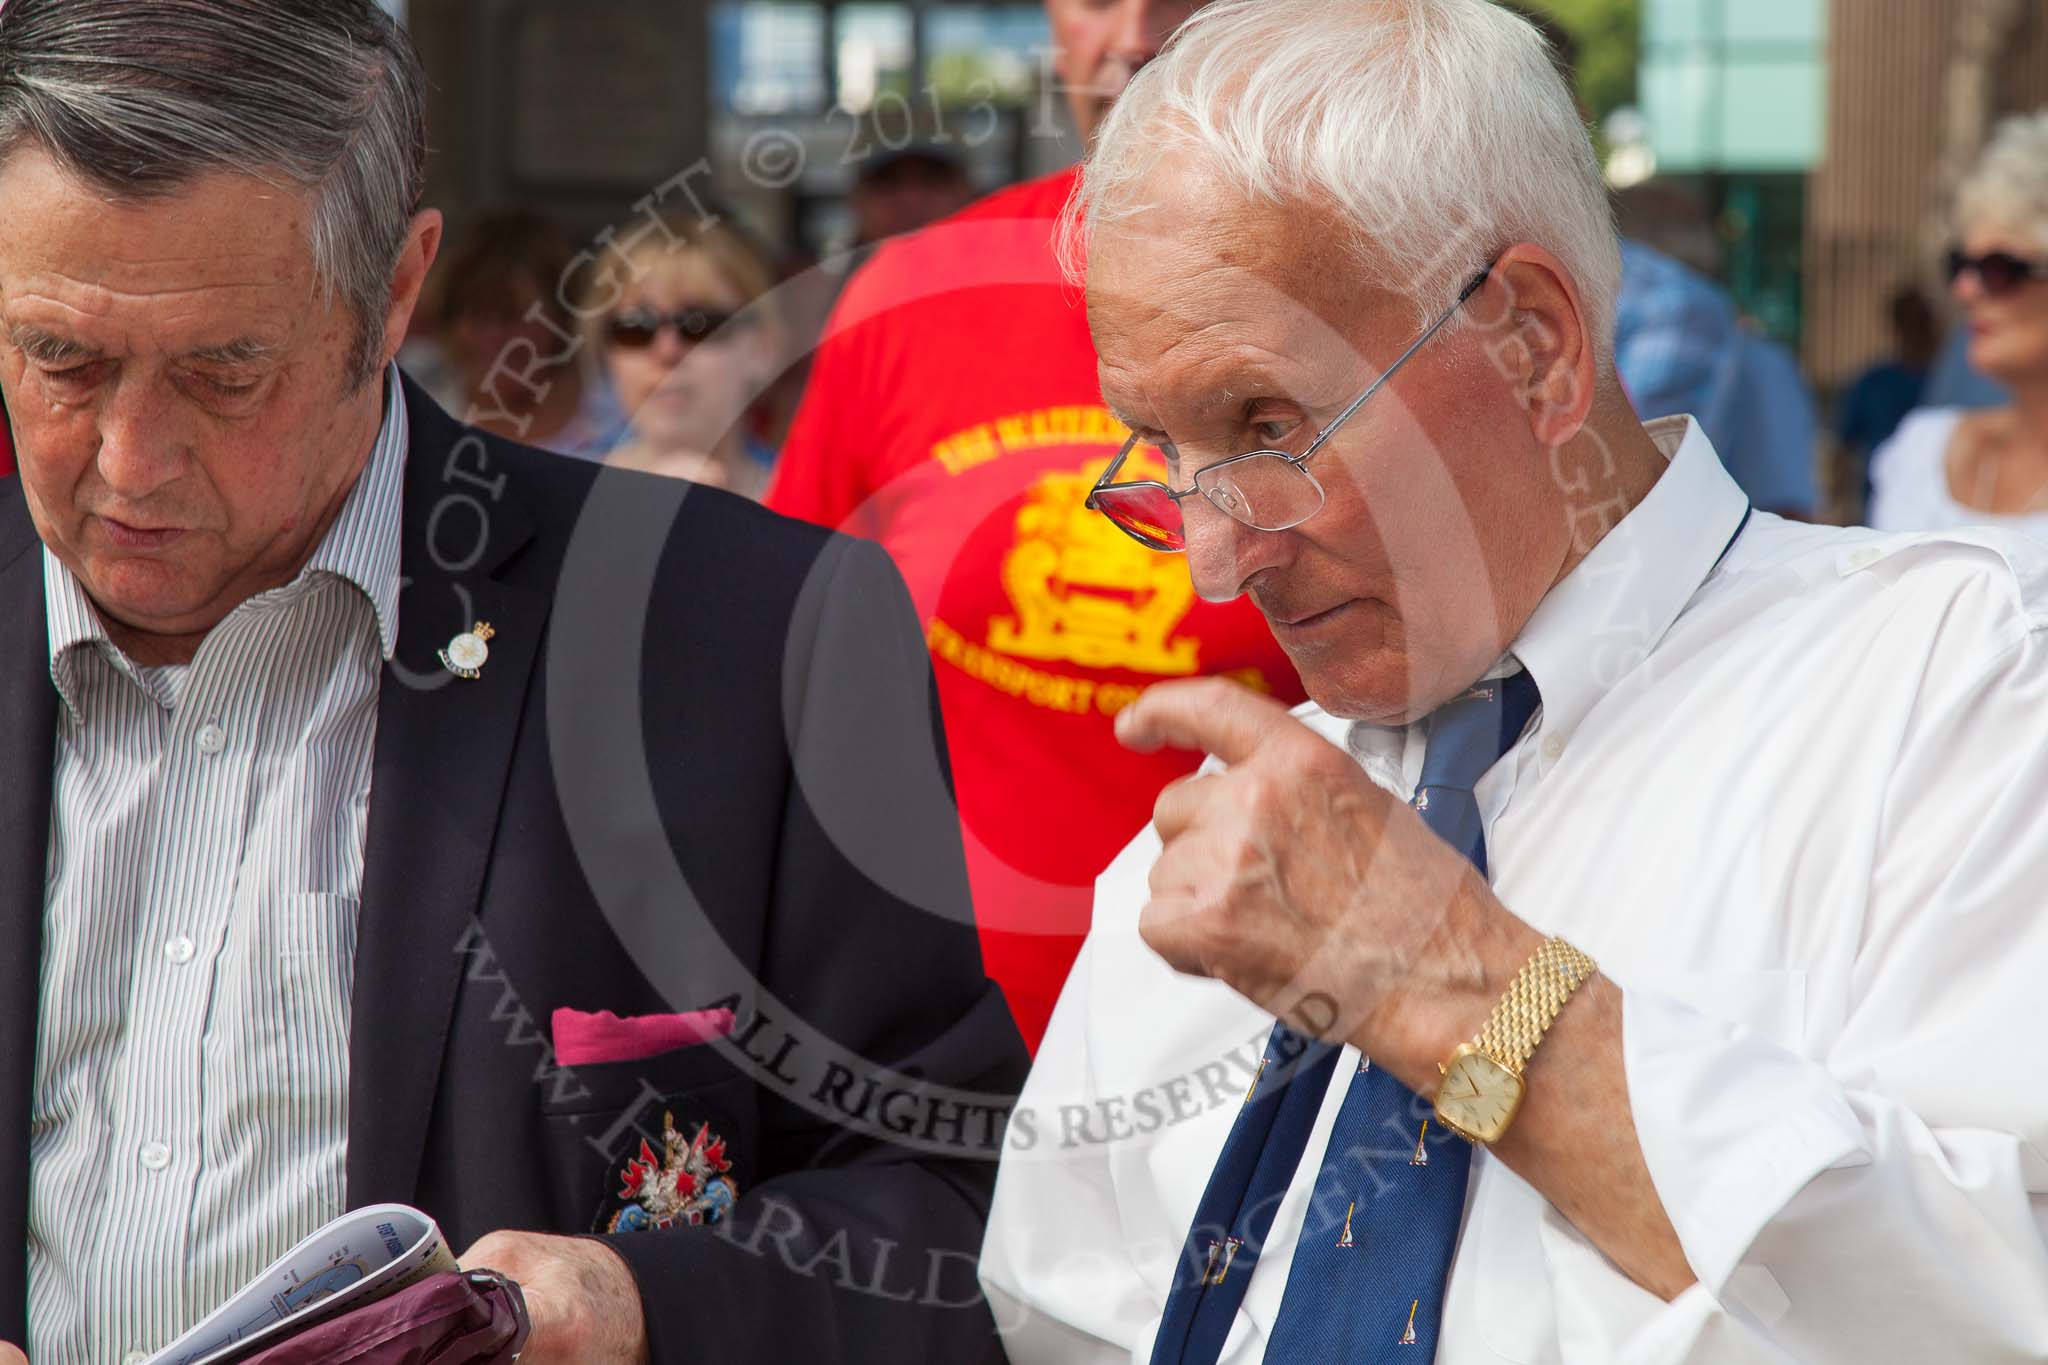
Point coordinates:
[(1610, 611), (74, 625), (361, 548)]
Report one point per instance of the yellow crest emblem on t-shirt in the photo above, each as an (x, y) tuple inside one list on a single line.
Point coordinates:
[(1084, 592)]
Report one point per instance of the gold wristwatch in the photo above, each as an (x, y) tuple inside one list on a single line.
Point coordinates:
[(1482, 1081)]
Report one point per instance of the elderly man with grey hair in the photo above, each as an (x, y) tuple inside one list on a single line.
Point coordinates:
[(1634, 950), (391, 813)]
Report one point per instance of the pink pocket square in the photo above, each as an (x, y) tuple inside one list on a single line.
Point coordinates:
[(593, 1039)]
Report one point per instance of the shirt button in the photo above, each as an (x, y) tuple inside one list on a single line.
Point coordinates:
[(134, 1358), (1553, 746), (179, 950), (155, 1156), (1864, 558), (212, 739)]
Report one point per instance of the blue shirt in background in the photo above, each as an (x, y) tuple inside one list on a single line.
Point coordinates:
[(1680, 347)]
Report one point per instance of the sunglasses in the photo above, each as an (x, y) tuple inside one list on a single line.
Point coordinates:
[(636, 328), (1998, 272)]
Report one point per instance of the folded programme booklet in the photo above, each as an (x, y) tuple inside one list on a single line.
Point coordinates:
[(358, 1258)]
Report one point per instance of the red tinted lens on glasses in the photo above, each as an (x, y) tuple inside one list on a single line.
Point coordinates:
[(1148, 515)]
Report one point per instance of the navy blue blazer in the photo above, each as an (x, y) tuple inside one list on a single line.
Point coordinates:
[(702, 766)]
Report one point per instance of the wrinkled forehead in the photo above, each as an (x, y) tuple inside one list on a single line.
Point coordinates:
[(1198, 295), (222, 241)]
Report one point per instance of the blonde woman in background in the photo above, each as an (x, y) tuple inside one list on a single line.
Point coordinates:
[(1950, 467), (689, 343)]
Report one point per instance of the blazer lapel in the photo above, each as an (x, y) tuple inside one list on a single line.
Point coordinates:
[(444, 749), (28, 735)]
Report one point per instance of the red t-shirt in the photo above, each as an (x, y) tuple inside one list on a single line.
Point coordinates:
[(954, 415)]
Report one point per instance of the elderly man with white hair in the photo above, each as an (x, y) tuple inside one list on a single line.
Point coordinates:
[(1633, 952)]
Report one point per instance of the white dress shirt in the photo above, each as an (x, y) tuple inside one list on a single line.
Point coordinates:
[(189, 1117), (1797, 808)]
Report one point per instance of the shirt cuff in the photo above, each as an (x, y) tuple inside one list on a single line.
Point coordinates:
[(1731, 1125)]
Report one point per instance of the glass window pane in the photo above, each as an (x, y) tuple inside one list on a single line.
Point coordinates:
[(1801, 22), (1673, 22), (1677, 98), (1740, 86), (985, 52), (768, 58), (1771, 114), (873, 54)]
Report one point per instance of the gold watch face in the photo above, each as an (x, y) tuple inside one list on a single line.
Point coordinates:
[(1479, 1096)]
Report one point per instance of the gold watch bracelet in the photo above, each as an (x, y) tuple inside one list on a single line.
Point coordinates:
[(1532, 1001)]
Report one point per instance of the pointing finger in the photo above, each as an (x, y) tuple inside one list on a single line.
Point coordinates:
[(1208, 714)]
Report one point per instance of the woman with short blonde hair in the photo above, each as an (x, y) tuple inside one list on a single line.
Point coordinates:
[(685, 321), (1948, 467)]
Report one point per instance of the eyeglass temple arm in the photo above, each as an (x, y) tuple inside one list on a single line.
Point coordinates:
[(1471, 288)]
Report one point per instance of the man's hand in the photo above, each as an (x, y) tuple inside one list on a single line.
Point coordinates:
[(1308, 889), (1297, 881), (10, 1355), (584, 1302)]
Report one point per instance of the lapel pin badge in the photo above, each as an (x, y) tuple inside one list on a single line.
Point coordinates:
[(468, 652)]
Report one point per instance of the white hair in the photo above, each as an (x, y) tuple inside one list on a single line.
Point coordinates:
[(1438, 129), (2008, 186)]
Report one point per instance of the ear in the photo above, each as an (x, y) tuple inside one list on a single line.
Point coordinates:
[(1541, 338), (422, 244)]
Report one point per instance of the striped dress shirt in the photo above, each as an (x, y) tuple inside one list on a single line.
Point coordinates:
[(190, 1112)]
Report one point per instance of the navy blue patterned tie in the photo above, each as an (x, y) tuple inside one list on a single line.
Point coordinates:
[(1368, 1277)]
